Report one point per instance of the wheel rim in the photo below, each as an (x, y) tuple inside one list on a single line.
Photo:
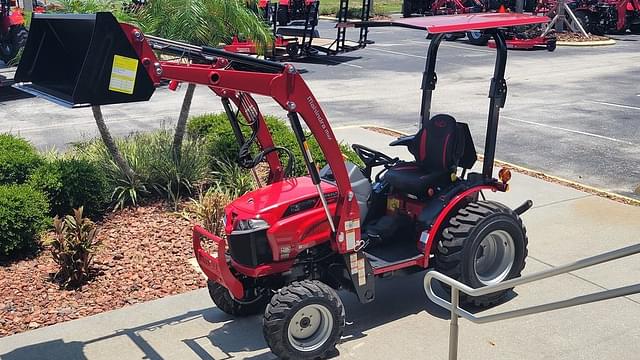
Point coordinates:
[(310, 327), (494, 257), (475, 35)]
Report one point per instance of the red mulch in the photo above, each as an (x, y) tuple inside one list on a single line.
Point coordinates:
[(143, 257)]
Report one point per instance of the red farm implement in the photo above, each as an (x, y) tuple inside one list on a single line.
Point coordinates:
[(290, 244), (608, 16)]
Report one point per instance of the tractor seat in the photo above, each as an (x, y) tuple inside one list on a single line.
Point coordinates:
[(438, 148)]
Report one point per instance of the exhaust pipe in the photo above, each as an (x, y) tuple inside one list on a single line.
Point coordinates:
[(524, 207), (78, 60)]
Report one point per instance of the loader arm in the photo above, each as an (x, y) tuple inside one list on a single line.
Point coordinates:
[(111, 63)]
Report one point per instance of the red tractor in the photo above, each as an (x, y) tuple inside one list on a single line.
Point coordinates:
[(13, 33), (292, 10), (289, 245), (601, 17)]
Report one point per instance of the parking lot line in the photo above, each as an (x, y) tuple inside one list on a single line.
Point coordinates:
[(568, 130), (614, 105), (395, 52), (343, 63)]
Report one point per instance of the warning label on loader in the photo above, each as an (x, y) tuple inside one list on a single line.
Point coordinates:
[(123, 74)]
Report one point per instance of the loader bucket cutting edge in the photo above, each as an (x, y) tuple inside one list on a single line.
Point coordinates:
[(80, 60)]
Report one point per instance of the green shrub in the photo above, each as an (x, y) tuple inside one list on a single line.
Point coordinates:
[(151, 158), (23, 215), (72, 246), (221, 141), (17, 159), (72, 183)]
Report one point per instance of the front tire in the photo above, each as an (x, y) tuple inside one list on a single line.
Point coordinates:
[(225, 302), (304, 320), (484, 244)]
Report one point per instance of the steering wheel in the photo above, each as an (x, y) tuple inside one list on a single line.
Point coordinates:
[(372, 158)]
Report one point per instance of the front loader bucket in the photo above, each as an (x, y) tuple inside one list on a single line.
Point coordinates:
[(80, 60)]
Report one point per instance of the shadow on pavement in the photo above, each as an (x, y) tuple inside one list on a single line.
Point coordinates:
[(74, 350), (396, 298)]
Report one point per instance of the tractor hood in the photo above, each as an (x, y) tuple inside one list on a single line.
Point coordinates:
[(274, 200)]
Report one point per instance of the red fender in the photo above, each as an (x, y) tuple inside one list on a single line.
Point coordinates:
[(445, 214)]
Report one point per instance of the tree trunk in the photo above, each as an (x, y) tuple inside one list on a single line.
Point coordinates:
[(112, 148), (178, 136)]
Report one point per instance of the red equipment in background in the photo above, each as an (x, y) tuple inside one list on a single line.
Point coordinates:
[(520, 37), (292, 10), (600, 17), (13, 33)]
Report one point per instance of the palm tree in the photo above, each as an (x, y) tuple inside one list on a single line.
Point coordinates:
[(199, 22)]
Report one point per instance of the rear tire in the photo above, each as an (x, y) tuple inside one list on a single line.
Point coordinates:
[(225, 302), (484, 244), (478, 38), (304, 320), (16, 39)]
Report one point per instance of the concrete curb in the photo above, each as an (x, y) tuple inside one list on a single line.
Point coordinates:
[(586, 43), (530, 172)]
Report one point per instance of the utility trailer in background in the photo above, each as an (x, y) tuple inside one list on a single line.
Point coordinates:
[(297, 36)]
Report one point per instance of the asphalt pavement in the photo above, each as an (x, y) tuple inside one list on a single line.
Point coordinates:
[(572, 113), (563, 226)]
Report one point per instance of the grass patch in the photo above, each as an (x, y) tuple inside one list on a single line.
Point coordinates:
[(379, 7)]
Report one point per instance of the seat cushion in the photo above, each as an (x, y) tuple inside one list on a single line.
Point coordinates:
[(410, 179)]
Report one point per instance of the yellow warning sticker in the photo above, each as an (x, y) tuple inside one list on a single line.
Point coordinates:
[(123, 74), (393, 204)]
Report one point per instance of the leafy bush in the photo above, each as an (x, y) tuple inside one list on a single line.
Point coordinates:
[(23, 215), (17, 159), (72, 183), (151, 158), (72, 246), (221, 142)]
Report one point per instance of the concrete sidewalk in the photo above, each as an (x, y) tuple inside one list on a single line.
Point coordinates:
[(564, 225)]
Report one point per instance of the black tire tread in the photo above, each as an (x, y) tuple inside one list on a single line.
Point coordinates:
[(283, 301), (225, 302), (454, 236)]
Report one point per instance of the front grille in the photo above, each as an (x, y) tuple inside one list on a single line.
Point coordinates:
[(250, 248)]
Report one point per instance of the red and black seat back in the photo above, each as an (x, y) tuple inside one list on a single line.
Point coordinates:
[(443, 144)]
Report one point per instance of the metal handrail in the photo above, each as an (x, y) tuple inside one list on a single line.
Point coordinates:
[(457, 286)]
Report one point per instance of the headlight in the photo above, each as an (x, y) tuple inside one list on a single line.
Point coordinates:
[(250, 224)]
